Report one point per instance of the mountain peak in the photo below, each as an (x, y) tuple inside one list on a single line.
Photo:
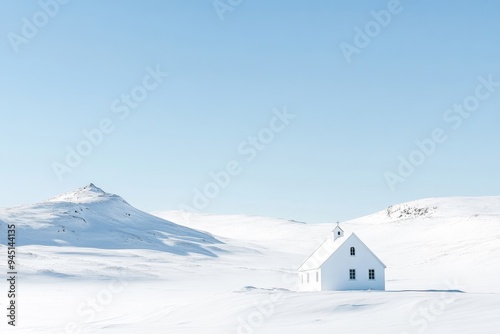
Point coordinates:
[(89, 193), (93, 188)]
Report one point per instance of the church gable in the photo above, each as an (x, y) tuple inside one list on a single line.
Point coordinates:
[(352, 247)]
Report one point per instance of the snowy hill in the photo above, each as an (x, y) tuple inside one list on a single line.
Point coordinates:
[(90, 217), (431, 240), (424, 243), (184, 272)]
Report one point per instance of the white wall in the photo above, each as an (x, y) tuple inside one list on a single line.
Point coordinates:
[(313, 284), (335, 271)]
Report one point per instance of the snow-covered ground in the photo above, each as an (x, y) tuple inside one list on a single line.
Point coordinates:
[(91, 263)]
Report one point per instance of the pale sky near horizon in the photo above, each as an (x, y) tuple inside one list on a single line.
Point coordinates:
[(67, 68)]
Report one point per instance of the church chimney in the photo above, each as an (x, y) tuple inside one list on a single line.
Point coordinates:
[(337, 232)]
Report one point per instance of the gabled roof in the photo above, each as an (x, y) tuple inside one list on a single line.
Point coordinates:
[(327, 249), (323, 253)]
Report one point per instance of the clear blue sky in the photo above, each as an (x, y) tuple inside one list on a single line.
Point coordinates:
[(352, 120)]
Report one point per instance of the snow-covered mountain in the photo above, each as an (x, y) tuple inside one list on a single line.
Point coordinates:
[(185, 272), (90, 217)]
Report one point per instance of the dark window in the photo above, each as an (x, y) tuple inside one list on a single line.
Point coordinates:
[(338, 233), (353, 251), (371, 273), (352, 274)]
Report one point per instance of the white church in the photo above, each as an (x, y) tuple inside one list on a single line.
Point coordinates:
[(342, 263)]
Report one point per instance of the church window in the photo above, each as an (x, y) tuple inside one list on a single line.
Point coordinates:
[(371, 273), (352, 274)]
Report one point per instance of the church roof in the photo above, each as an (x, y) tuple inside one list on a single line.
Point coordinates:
[(326, 250)]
